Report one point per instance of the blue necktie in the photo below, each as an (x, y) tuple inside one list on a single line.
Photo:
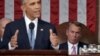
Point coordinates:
[(31, 38)]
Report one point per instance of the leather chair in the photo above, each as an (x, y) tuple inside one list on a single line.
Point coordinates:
[(87, 36)]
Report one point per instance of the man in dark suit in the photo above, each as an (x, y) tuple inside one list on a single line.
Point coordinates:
[(73, 33), (73, 38), (30, 32)]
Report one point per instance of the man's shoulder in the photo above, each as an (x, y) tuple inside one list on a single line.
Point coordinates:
[(15, 23), (82, 43), (42, 22), (63, 44)]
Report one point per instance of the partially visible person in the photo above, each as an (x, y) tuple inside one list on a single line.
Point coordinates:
[(73, 33), (3, 23)]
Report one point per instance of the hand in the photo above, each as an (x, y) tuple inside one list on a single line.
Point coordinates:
[(53, 38), (13, 41)]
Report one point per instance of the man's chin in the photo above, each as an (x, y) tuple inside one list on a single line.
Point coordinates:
[(74, 42), (37, 16)]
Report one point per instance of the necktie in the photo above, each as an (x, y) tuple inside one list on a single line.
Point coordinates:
[(73, 50), (31, 38)]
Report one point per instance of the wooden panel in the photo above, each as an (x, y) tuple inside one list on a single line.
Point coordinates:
[(33, 53)]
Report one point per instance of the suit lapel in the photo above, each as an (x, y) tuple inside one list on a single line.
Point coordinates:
[(23, 37), (38, 35), (64, 46), (79, 45)]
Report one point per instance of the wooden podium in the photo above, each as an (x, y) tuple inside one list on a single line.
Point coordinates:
[(33, 53)]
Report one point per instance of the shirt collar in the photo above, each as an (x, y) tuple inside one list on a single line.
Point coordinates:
[(70, 44), (28, 21)]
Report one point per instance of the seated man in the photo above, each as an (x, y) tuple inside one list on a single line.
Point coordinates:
[(73, 34)]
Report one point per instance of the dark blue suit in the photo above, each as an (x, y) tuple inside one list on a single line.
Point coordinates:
[(64, 46), (42, 38)]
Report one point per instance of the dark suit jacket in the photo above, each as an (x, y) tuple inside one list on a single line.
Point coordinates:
[(64, 46), (42, 38)]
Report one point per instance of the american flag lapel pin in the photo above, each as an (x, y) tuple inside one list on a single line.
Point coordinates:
[(41, 29)]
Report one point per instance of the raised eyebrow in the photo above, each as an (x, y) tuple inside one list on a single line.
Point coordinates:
[(72, 31), (35, 2), (32, 3)]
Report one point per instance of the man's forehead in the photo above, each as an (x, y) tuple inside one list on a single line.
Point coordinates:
[(73, 25)]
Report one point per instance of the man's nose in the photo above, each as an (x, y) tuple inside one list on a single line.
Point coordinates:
[(74, 34)]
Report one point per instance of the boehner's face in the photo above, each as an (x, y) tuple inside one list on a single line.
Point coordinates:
[(73, 34)]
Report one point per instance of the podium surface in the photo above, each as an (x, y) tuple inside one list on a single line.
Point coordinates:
[(33, 53)]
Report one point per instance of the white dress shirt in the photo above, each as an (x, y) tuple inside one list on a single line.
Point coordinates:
[(70, 45), (27, 22), (1, 39)]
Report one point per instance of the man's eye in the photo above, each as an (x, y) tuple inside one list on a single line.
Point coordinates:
[(78, 32), (72, 31)]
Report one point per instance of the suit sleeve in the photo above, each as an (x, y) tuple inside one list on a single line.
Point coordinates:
[(6, 37)]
